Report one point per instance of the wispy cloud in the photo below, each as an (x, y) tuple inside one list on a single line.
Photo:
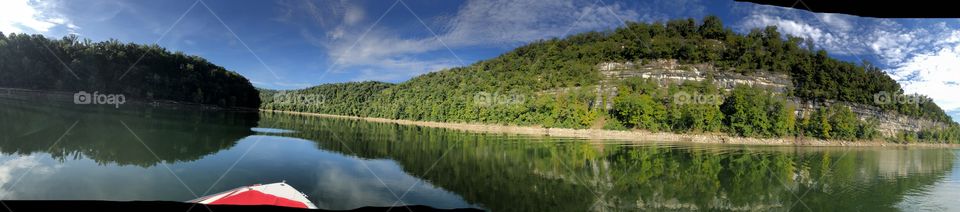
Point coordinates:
[(401, 68), (29, 16), (391, 54), (292, 85), (328, 19), (517, 22), (838, 22)]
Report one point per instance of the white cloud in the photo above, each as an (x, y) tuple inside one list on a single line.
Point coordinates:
[(892, 47), (922, 55), (894, 43), (953, 37), (935, 74), (31, 16), (836, 33), (788, 26), (12, 169), (832, 34)]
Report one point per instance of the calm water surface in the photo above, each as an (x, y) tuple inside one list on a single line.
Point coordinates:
[(63, 151)]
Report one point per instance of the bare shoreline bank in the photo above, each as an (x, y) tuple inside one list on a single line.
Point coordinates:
[(632, 135)]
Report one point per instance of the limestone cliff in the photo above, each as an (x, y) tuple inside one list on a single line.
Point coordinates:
[(666, 72)]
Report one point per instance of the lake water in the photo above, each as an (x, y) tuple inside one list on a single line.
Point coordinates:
[(57, 151)]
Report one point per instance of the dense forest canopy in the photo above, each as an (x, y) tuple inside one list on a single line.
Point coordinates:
[(556, 83), (71, 64)]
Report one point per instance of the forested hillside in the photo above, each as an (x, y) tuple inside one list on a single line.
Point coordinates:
[(341, 98), (555, 83), (71, 65)]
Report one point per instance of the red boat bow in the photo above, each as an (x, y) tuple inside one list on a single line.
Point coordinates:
[(276, 194)]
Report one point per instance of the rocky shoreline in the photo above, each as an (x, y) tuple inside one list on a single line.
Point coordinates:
[(632, 135)]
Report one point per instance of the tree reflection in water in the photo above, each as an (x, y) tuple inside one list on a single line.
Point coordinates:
[(518, 173), (497, 172), (174, 135)]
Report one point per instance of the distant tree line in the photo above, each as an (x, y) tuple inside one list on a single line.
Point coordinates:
[(560, 83), (71, 64), (340, 98)]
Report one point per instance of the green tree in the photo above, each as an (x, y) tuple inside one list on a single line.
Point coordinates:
[(868, 129), (820, 125), (640, 111), (782, 117), (745, 111), (844, 122), (712, 28)]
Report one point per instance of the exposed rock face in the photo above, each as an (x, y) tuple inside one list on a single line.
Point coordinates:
[(890, 122), (670, 71), (666, 72)]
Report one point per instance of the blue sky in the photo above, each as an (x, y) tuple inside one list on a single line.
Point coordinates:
[(299, 43)]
